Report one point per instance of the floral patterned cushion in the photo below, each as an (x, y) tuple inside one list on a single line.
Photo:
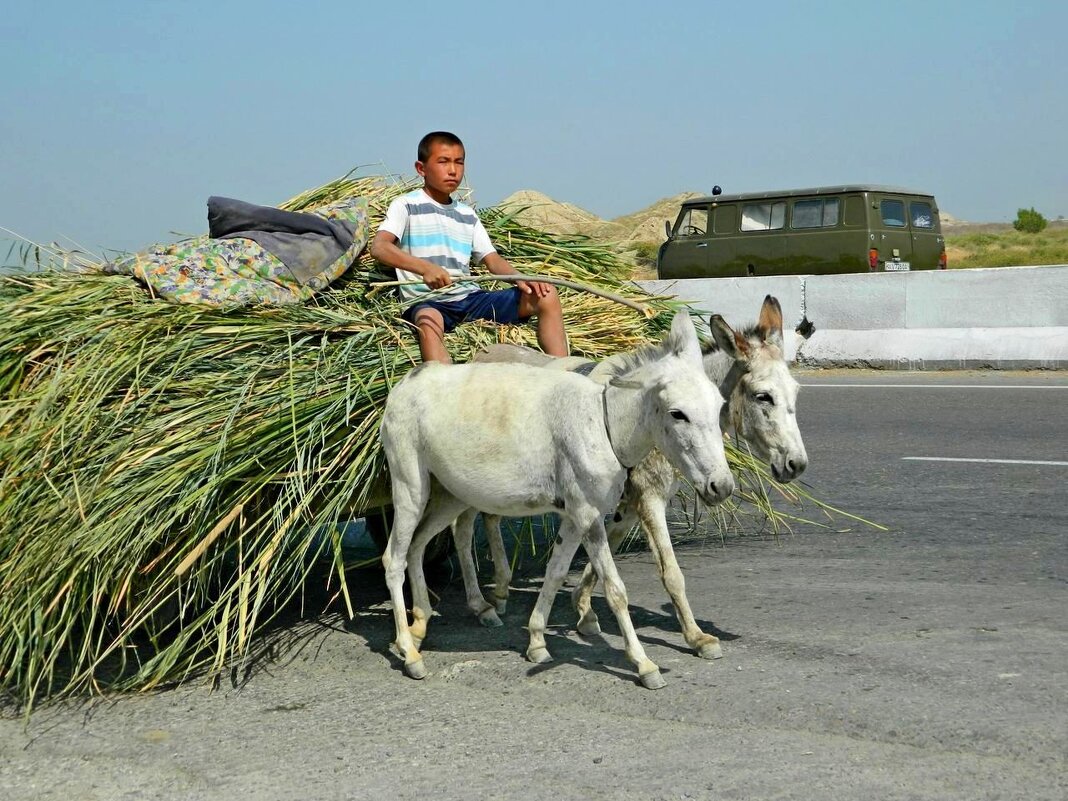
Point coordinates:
[(238, 272)]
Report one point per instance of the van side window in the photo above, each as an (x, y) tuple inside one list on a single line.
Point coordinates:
[(822, 213), (855, 211), (693, 222), (893, 212), (726, 219), (763, 216), (921, 215)]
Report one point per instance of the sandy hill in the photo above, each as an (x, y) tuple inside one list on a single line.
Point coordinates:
[(542, 212), (647, 225)]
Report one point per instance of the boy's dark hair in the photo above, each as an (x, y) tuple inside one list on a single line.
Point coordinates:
[(436, 136)]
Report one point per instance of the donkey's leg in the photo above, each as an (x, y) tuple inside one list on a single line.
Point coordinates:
[(441, 510), (502, 568), (567, 543), (622, 522), (616, 594), (409, 498), (652, 510), (463, 534)]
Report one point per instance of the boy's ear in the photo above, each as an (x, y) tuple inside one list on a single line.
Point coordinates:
[(419, 169)]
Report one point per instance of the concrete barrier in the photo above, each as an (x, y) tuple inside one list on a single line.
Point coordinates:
[(1002, 318)]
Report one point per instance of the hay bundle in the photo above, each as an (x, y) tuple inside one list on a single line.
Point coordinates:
[(169, 473)]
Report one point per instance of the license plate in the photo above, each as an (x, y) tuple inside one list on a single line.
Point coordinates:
[(903, 266)]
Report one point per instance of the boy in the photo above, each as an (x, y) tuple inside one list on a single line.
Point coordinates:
[(427, 235)]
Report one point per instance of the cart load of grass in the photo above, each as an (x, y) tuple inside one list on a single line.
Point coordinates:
[(169, 474)]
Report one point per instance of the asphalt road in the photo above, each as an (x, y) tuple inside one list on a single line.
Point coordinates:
[(929, 661)]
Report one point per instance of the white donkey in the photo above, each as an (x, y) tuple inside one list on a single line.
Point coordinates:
[(751, 373), (514, 440)]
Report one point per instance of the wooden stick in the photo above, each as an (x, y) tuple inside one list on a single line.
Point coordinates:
[(543, 279)]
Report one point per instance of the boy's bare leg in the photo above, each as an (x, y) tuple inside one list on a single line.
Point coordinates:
[(550, 316), (431, 329)]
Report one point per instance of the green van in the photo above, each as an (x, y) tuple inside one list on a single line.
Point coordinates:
[(827, 229)]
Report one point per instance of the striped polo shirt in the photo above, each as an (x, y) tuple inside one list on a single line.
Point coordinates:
[(450, 236)]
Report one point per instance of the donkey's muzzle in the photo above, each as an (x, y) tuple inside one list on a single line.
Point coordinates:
[(787, 469), (717, 491)]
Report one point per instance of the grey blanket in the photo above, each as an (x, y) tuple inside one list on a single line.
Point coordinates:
[(305, 243)]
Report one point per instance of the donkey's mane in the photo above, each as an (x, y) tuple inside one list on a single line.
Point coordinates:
[(620, 364)]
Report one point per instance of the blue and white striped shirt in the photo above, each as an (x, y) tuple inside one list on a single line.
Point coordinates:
[(450, 236)]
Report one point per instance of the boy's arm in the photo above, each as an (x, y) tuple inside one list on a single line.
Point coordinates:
[(384, 249), (498, 265)]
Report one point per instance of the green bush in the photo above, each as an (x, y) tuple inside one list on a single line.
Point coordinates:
[(1029, 221)]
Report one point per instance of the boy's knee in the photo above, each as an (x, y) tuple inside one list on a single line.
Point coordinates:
[(429, 321), (550, 301), (538, 305)]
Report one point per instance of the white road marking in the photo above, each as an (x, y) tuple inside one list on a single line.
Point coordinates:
[(985, 461)]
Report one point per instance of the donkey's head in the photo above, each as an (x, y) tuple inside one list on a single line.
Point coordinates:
[(761, 394), (680, 409)]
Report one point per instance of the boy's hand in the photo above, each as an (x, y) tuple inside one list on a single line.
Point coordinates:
[(536, 288), (436, 277)]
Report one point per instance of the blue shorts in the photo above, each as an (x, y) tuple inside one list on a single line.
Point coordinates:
[(498, 306)]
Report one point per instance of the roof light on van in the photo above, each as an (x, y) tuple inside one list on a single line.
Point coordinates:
[(873, 259)]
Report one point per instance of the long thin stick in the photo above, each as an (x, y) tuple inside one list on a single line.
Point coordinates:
[(544, 279)]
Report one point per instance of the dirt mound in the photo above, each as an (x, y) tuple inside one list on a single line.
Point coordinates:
[(647, 225), (542, 212)]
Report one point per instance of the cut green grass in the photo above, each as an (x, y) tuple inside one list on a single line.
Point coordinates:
[(170, 474)]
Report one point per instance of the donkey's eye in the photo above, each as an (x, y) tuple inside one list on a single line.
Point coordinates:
[(764, 397), (678, 415)]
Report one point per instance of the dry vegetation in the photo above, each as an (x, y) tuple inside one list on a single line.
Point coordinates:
[(1000, 245), (171, 474)]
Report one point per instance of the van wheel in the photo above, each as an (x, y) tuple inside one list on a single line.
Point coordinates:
[(380, 522)]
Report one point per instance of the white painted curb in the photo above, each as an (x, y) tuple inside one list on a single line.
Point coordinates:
[(1000, 318)]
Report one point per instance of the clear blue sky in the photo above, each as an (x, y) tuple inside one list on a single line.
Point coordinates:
[(119, 119)]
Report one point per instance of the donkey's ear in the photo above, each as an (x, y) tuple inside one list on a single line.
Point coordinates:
[(770, 322), (682, 340), (726, 339)]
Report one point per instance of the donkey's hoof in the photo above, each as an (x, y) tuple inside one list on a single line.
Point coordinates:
[(710, 650), (488, 618), (539, 656), (501, 604), (652, 680), (416, 669), (589, 626)]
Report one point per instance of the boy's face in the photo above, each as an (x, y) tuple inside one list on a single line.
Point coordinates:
[(442, 171)]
